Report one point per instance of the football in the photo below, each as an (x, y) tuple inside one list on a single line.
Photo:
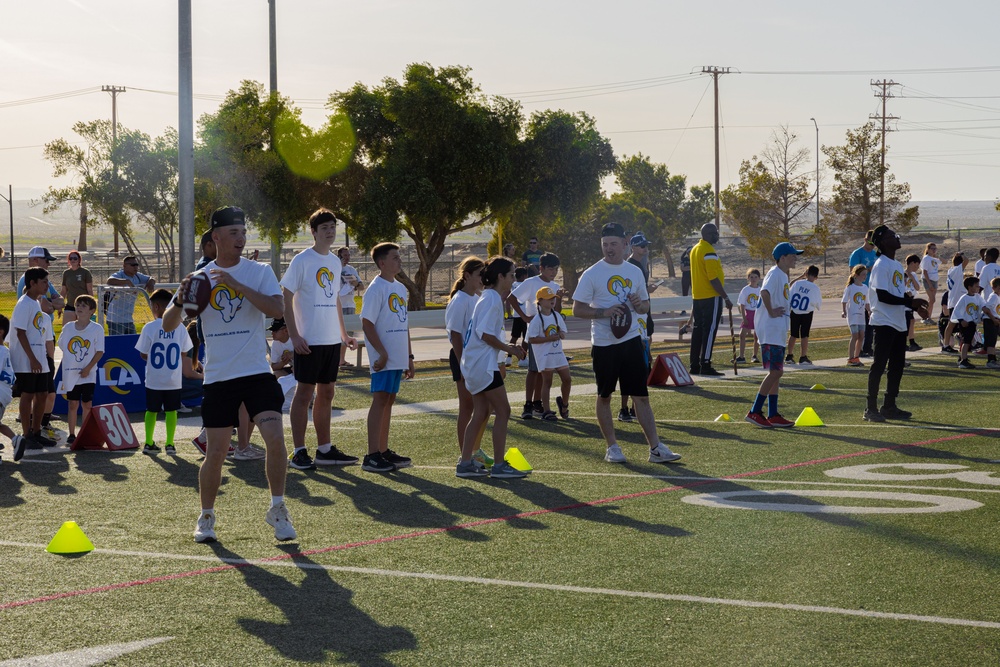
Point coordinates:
[(621, 323), (195, 298)]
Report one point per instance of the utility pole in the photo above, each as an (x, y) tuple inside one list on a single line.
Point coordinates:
[(185, 140), (817, 188), (884, 92), (273, 31), (114, 90), (715, 72), (10, 203)]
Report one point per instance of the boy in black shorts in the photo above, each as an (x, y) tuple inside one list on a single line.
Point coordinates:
[(30, 335)]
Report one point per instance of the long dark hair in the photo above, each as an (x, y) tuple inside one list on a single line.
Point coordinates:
[(496, 266), (470, 264)]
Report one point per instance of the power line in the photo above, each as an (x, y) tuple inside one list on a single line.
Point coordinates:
[(50, 98), (882, 71)]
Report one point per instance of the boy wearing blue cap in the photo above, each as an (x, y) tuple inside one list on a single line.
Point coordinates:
[(772, 321)]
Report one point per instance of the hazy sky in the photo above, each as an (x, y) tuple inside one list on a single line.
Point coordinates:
[(796, 60)]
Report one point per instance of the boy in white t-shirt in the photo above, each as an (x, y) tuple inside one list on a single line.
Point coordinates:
[(522, 302), (387, 337), (772, 330), (7, 390), (546, 332), (968, 312), (991, 310), (82, 345), (989, 270), (162, 351), (315, 320), (30, 331), (956, 279), (749, 302), (804, 298)]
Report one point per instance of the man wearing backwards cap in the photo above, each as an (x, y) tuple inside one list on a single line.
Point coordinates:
[(236, 368), (889, 301), (708, 293), (611, 287)]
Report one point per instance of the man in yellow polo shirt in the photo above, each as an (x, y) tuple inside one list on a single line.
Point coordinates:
[(708, 293)]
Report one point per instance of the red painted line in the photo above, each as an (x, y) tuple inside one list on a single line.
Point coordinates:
[(481, 522)]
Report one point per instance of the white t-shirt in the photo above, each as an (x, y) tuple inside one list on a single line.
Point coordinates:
[(278, 348), (980, 263), (314, 281), (525, 293), (956, 276), (459, 312), (28, 316), (855, 297), (163, 350), (78, 348), (930, 265), (968, 309), (384, 305), (749, 298), (606, 285), (479, 359), (346, 288), (887, 274), (235, 345), (992, 304), (548, 355), (912, 285), (804, 297), (988, 273), (6, 378), (773, 330)]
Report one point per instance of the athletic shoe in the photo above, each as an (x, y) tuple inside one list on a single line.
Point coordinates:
[(855, 362), (708, 370), (205, 530), (778, 421), (42, 441), (758, 418), (335, 457), (992, 364), (170, 450), (201, 442), (624, 415), (19, 443), (872, 416), (482, 458), (150, 449), (695, 370), (183, 410), (300, 460), (526, 413), (805, 360), (948, 349), (470, 469), (537, 411), (504, 470), (928, 321), (375, 463), (741, 360), (755, 359), (250, 453), (892, 412), (789, 359), (662, 454), (397, 460), (614, 455), (981, 350), (913, 347), (70, 439), (966, 364), (279, 519)]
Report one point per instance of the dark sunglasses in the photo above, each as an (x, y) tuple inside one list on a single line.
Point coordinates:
[(132, 264)]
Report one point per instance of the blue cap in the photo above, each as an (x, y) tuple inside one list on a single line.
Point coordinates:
[(639, 239), (784, 248)]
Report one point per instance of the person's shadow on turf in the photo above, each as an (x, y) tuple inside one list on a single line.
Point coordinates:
[(350, 633)]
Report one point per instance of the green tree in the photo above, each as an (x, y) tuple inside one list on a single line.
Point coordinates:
[(676, 211), (858, 172), (434, 157)]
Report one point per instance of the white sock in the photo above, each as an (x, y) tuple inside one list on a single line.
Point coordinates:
[(324, 448), (205, 511), (277, 500), (297, 450)]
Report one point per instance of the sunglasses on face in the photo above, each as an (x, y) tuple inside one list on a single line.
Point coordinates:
[(132, 264)]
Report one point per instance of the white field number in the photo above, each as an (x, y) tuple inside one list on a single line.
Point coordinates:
[(116, 426)]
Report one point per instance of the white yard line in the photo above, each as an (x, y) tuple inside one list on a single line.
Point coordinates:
[(561, 588)]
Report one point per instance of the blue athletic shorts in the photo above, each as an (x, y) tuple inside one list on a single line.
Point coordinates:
[(387, 381), (773, 357)]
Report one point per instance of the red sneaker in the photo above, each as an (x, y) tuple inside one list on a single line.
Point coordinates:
[(779, 422), (759, 419)]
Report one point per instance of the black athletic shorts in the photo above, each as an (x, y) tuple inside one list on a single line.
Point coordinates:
[(81, 392), (50, 381), (800, 325), (168, 400), (31, 383), (532, 364), (519, 329), (622, 364), (989, 333), (221, 405), (454, 365), (497, 383), (966, 331), (320, 366)]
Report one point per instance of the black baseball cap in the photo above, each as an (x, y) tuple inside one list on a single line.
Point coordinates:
[(277, 324), (228, 215), (613, 229), (206, 238)]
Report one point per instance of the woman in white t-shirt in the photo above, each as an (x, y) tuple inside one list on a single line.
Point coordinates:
[(481, 371), (458, 314)]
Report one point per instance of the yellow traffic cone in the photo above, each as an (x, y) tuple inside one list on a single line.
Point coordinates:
[(809, 418), (817, 387), (724, 417), (70, 539), (516, 460)]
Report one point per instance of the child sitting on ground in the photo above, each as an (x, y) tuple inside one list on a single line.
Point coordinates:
[(854, 305), (82, 345), (965, 315), (546, 332), (749, 302)]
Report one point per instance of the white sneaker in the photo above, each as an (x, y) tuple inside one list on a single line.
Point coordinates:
[(281, 521), (205, 530), (615, 455), (992, 364), (662, 454), (251, 453)]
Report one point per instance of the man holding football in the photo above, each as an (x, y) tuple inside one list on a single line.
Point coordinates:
[(608, 294), (242, 293)]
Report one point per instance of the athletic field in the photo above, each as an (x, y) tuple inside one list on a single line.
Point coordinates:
[(847, 544)]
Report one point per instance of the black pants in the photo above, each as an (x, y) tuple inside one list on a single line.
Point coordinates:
[(866, 344), (890, 349), (707, 316)]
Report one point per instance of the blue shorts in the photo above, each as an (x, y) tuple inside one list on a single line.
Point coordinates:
[(773, 357), (387, 381)]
